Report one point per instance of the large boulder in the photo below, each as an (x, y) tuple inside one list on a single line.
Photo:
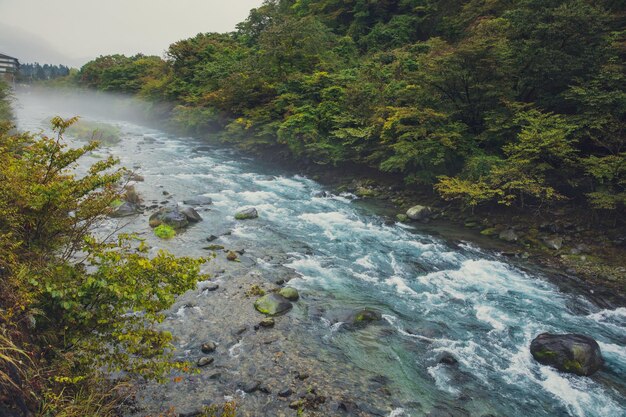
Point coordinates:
[(199, 200), (125, 209), (574, 353), (191, 214), (272, 304), (363, 317), (170, 216), (419, 213), (249, 213)]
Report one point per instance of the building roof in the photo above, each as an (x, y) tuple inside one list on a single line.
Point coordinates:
[(6, 56)]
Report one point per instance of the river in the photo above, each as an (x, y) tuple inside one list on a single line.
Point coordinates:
[(435, 296)]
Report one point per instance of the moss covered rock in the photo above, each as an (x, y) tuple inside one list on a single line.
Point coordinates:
[(249, 213), (419, 213), (363, 317), (573, 353), (289, 293), (272, 304)]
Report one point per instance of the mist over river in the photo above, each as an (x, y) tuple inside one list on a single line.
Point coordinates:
[(436, 297)]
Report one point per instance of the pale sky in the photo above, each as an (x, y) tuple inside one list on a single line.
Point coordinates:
[(79, 30)]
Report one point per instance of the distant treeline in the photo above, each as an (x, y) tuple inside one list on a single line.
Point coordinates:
[(512, 102), (38, 72)]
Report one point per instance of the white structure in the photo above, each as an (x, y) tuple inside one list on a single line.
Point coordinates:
[(8, 66)]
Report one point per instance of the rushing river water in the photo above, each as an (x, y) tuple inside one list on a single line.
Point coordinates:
[(435, 296)]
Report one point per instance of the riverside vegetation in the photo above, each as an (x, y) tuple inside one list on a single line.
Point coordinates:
[(74, 308), (513, 111)]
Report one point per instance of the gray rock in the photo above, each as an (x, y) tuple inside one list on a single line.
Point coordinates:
[(267, 322), (573, 353), (553, 242), (419, 212), (205, 361), (249, 213), (199, 200), (169, 216), (191, 214), (208, 347), (125, 209), (363, 317), (285, 393), (272, 304), (508, 235)]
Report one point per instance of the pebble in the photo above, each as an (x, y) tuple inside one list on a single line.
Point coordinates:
[(205, 361), (208, 347)]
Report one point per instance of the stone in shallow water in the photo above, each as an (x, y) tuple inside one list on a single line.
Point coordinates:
[(289, 293), (249, 213), (363, 317), (272, 304), (170, 216), (573, 353), (419, 212), (202, 362), (208, 347), (125, 209), (267, 322), (191, 215)]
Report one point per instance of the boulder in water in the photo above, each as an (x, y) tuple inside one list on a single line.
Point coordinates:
[(208, 347), (191, 215), (419, 212), (363, 317), (272, 304), (289, 293), (573, 353), (125, 209), (249, 213), (169, 216)]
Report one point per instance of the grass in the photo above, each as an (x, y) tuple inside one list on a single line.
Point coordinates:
[(255, 290), (164, 231), (11, 367)]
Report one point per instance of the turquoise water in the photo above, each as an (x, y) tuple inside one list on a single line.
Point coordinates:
[(435, 296)]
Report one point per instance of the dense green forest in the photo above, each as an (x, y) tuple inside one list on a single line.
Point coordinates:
[(516, 102), (37, 72)]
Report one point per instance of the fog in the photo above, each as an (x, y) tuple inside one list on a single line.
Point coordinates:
[(78, 30), (86, 104)]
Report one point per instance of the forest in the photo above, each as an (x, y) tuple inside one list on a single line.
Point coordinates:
[(37, 72), (513, 103)]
